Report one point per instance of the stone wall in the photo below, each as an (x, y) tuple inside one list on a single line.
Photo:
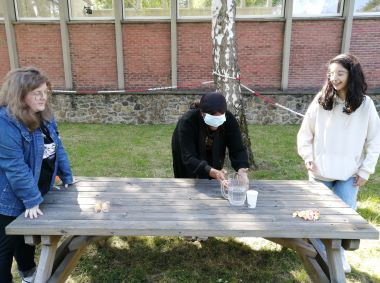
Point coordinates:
[(167, 108)]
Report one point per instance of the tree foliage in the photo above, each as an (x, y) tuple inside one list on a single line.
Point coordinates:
[(147, 4), (103, 4), (372, 6)]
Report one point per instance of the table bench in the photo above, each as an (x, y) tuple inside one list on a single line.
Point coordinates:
[(187, 207)]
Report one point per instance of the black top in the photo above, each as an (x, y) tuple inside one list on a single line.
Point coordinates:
[(47, 168), (196, 149)]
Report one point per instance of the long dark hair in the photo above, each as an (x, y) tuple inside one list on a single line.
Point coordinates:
[(356, 89)]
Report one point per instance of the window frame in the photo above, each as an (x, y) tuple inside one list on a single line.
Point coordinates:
[(195, 18), (325, 15), (91, 18), (267, 16), (238, 17), (34, 19), (366, 14), (146, 18), (2, 17)]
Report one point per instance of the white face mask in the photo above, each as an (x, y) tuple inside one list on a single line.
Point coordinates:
[(214, 121)]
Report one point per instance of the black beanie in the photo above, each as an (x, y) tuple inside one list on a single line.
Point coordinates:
[(213, 102)]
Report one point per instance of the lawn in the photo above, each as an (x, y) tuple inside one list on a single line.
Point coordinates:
[(144, 151)]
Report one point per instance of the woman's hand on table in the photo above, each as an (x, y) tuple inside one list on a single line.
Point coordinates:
[(217, 174), (243, 173), (33, 212)]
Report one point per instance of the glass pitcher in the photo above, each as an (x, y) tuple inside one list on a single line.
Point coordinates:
[(235, 188)]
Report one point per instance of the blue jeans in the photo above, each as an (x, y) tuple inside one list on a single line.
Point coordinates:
[(343, 189)]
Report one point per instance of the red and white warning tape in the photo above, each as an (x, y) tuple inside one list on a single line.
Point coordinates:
[(271, 101), (258, 94)]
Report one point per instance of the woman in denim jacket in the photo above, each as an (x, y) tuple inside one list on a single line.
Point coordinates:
[(31, 156)]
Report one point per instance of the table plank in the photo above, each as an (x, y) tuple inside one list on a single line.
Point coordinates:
[(189, 215), (200, 228), (176, 206), (199, 203), (215, 208)]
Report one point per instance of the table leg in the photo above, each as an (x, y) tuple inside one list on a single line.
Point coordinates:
[(321, 257), (335, 261), (48, 250), (308, 255), (68, 256), (314, 269)]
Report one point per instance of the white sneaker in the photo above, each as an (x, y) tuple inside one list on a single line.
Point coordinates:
[(346, 265)]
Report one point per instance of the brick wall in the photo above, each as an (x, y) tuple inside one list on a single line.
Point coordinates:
[(365, 43), (146, 48), (194, 53), (93, 56), (4, 58), (313, 44), (39, 45), (260, 53)]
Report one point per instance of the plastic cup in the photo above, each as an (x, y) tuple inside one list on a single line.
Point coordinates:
[(252, 198)]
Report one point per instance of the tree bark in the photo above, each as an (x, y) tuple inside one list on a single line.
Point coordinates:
[(226, 67)]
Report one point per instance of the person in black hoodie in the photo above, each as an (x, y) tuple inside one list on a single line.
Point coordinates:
[(201, 137)]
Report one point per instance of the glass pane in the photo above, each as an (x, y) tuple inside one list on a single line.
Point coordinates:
[(38, 9), (367, 6), (91, 9), (246, 8), (317, 8), (194, 8), (146, 8)]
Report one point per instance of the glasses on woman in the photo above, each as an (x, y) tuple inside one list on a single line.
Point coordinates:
[(40, 94), (333, 75)]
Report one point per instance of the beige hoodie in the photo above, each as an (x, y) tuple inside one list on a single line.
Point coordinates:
[(340, 145)]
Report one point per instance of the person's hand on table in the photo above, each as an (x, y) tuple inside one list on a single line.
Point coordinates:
[(33, 212), (243, 173), (217, 174), (58, 187), (69, 184)]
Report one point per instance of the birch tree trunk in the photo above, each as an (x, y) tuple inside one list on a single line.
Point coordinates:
[(226, 67)]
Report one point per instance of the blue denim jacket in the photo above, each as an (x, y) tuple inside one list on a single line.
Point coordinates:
[(21, 153)]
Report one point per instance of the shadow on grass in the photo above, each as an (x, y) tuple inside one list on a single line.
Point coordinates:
[(171, 259)]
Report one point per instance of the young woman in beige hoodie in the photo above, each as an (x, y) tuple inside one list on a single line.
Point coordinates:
[(339, 138)]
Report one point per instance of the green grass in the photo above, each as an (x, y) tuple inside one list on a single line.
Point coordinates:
[(144, 151), (118, 150)]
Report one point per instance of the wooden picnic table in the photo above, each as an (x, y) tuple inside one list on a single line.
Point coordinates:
[(187, 207)]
